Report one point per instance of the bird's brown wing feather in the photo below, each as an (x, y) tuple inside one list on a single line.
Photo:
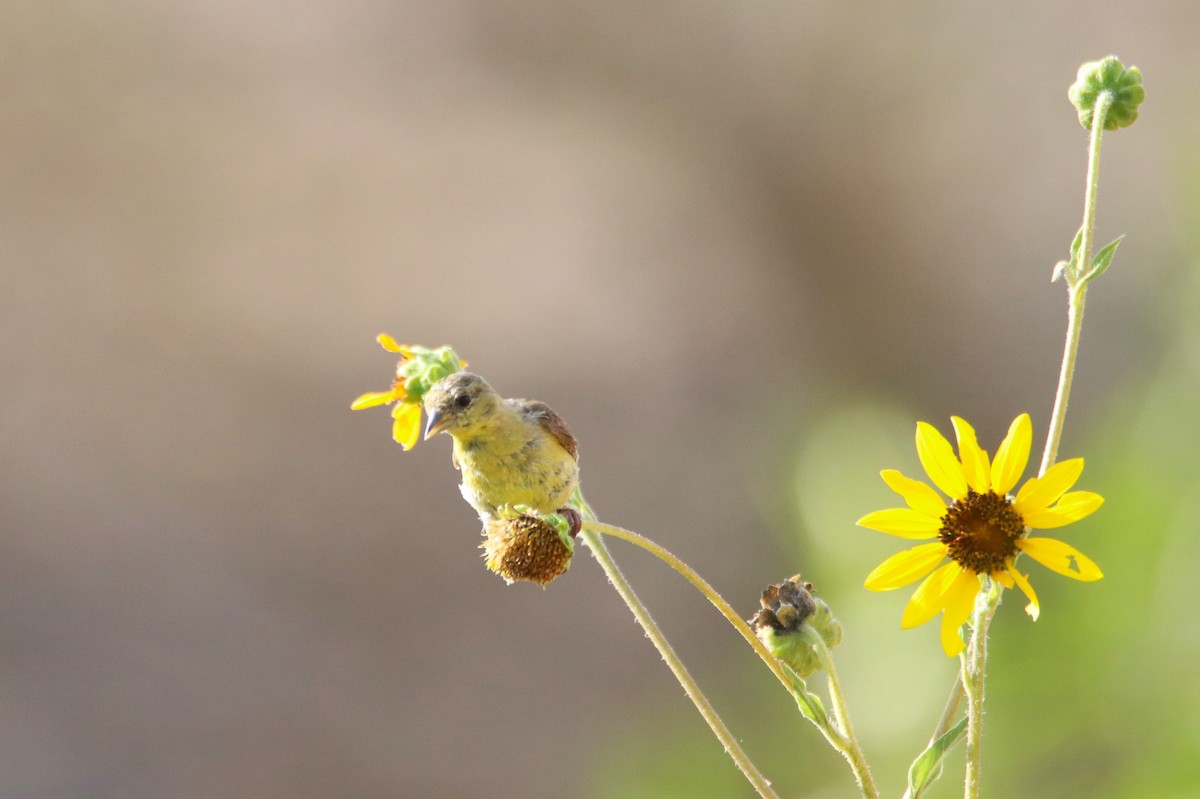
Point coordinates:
[(552, 423)]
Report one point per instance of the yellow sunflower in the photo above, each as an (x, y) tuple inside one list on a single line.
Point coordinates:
[(982, 529)]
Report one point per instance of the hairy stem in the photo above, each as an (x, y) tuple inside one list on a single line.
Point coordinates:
[(596, 544), (850, 749), (842, 739)]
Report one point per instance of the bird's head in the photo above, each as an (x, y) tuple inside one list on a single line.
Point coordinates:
[(457, 404)]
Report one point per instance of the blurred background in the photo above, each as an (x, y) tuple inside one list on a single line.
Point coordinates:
[(741, 247)]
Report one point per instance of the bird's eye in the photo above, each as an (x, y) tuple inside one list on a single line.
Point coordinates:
[(462, 400)]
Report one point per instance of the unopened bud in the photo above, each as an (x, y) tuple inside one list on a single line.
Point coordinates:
[(1123, 87)]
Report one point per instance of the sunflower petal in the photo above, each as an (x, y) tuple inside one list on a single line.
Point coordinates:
[(918, 495), (373, 398), (1071, 507), (1013, 455), (937, 457), (906, 567), (975, 464), (902, 522), (1039, 493), (1022, 580), (389, 344), (1061, 557), (959, 602), (928, 599), (406, 430)]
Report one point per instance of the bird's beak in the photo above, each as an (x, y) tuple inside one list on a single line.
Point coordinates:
[(436, 424)]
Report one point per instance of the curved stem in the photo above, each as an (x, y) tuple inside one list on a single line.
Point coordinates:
[(592, 539), (702, 586), (842, 738)]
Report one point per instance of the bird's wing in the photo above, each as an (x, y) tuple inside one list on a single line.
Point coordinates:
[(552, 423)]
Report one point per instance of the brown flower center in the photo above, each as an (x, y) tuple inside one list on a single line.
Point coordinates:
[(981, 531)]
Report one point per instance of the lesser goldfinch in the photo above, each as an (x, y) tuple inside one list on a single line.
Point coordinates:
[(511, 452)]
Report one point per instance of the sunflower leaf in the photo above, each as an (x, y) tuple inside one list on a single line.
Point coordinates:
[(809, 703), (1070, 266), (1103, 260), (928, 766)]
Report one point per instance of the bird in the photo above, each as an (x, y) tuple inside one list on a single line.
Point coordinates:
[(511, 452)]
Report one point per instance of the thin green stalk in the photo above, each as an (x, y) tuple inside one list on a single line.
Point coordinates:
[(1077, 286), (595, 543), (850, 748), (703, 587), (953, 703), (974, 665)]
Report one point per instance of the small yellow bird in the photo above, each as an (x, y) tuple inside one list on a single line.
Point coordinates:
[(511, 451)]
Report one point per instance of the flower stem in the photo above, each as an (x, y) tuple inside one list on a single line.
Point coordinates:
[(594, 542), (703, 587), (850, 748), (1077, 286), (842, 738), (974, 665)]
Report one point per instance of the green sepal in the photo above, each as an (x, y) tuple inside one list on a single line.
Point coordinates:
[(425, 367), (1103, 259), (1108, 75), (926, 769)]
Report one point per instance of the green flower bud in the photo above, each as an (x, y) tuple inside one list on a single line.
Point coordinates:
[(416, 387), (448, 359), (1123, 86), (790, 623)]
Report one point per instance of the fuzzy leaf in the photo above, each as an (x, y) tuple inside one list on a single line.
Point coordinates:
[(1103, 259), (1071, 265), (928, 766)]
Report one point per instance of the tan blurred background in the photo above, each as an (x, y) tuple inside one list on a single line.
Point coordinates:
[(740, 246)]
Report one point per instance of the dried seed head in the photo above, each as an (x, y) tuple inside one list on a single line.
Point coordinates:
[(526, 549), (789, 620)]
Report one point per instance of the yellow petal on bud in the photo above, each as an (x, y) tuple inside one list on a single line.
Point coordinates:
[(389, 344), (406, 429), (373, 398)]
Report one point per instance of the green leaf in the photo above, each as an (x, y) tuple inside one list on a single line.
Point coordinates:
[(809, 703), (1103, 260), (1069, 266), (811, 707), (1076, 244), (928, 766)]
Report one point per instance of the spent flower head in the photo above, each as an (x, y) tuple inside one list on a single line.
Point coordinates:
[(525, 546), (789, 619), (981, 529), (418, 369)]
